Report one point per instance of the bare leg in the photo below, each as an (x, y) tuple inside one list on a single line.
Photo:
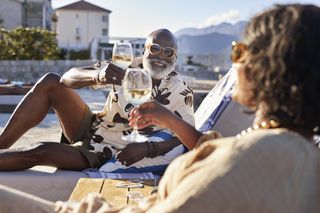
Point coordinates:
[(59, 155), (48, 92)]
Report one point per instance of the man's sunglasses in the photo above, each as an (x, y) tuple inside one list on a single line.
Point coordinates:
[(155, 49), (239, 52)]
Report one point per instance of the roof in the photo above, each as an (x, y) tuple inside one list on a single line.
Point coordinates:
[(83, 5)]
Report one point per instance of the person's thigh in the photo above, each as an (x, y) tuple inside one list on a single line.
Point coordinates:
[(70, 110), (83, 132)]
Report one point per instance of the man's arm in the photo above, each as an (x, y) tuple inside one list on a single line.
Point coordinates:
[(134, 152), (98, 74)]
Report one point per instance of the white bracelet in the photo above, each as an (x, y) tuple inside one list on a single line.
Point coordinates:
[(101, 76)]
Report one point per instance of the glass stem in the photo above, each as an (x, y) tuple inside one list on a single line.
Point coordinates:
[(135, 128)]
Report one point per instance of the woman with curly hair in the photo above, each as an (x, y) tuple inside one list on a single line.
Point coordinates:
[(273, 166), (278, 75)]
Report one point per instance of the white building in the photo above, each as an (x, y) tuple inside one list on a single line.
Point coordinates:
[(10, 14), (189, 68), (25, 13), (137, 43), (102, 49), (79, 23)]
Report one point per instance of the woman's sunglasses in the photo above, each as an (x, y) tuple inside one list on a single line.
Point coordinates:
[(155, 49), (239, 52)]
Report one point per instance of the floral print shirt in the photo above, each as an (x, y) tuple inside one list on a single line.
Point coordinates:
[(112, 123)]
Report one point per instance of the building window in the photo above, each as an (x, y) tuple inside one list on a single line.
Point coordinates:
[(78, 31), (104, 18), (104, 32)]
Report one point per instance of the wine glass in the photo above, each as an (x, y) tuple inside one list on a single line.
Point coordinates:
[(122, 54), (137, 87)]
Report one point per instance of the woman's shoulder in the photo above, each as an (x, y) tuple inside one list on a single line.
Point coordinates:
[(277, 143), (274, 140), (272, 136)]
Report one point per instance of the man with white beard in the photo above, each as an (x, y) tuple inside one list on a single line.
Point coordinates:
[(93, 140)]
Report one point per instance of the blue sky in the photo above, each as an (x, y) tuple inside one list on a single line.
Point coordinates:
[(137, 18)]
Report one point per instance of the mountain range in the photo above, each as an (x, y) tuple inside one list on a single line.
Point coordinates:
[(215, 39), (223, 28)]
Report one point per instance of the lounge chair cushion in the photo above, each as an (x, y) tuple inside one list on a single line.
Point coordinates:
[(43, 181)]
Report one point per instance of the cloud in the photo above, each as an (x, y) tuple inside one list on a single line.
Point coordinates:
[(229, 16)]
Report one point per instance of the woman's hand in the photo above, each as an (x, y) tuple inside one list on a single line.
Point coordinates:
[(151, 113)]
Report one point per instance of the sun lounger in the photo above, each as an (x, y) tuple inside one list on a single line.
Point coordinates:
[(52, 184), (219, 112), (43, 181), (11, 94), (14, 89)]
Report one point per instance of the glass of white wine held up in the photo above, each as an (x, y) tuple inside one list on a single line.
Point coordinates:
[(122, 54), (137, 87)]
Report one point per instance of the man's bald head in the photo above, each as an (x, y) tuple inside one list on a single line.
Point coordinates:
[(160, 61), (164, 36)]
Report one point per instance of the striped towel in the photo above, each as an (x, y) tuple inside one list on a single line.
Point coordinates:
[(94, 173), (155, 165)]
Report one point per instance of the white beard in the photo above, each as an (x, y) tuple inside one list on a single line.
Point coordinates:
[(159, 73)]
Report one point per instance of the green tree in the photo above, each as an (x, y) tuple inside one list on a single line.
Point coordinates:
[(28, 43)]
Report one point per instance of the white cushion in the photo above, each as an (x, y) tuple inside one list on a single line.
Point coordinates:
[(43, 181)]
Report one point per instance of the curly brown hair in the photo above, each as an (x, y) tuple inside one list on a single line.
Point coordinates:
[(284, 61)]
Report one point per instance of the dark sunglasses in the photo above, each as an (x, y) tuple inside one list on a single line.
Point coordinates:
[(239, 52), (155, 49)]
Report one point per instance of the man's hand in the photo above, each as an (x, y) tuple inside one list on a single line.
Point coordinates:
[(132, 153), (101, 73), (110, 74)]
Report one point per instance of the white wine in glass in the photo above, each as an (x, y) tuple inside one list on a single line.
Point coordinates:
[(122, 54), (137, 87)]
